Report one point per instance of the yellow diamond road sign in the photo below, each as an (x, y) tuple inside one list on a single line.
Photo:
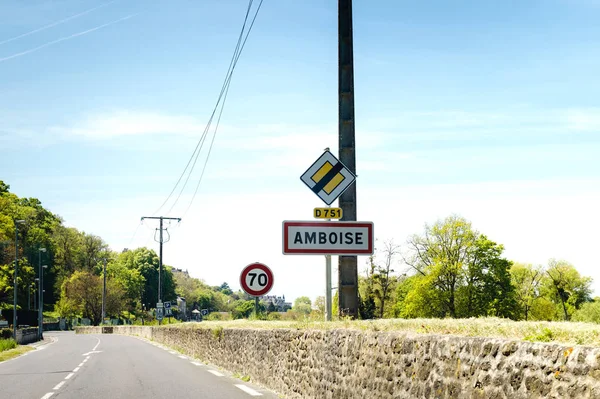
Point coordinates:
[(328, 177)]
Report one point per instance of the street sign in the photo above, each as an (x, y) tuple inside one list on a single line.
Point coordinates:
[(256, 279), (327, 238), (327, 213), (168, 311), (204, 312), (328, 177)]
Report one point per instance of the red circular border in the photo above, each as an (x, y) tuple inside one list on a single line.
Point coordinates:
[(262, 267)]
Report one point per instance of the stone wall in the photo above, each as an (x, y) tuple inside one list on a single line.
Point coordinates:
[(367, 364)]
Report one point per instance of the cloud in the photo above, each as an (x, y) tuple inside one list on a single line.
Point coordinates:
[(106, 126), (584, 119)]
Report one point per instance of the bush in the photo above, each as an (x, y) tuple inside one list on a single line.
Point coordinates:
[(5, 333), (589, 312), (6, 344)]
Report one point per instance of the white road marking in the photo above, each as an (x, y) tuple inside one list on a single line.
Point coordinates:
[(86, 359), (76, 369), (69, 376), (46, 396), (96, 344), (90, 353), (197, 364), (60, 384), (183, 357), (173, 352), (80, 364), (215, 373), (248, 390)]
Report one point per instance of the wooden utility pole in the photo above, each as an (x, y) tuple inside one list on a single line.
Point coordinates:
[(347, 269)]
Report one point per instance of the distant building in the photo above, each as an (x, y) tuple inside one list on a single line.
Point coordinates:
[(278, 301), (184, 272)]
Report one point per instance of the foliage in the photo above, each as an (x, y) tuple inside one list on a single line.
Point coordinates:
[(82, 294), (493, 327), (458, 272), (589, 312), (242, 309), (6, 344), (302, 305), (320, 304), (527, 280), (566, 287), (12, 353)]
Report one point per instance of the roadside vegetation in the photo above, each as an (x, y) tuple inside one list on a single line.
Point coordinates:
[(572, 333), (449, 270), (12, 353), (6, 344)]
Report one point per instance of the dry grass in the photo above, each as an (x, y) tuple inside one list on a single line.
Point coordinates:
[(535, 331), (18, 351)]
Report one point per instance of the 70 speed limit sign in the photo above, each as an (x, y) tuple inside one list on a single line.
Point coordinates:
[(256, 279)]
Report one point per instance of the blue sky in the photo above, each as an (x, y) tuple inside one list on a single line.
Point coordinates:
[(488, 109)]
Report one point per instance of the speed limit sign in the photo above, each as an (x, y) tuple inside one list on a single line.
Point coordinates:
[(256, 279)]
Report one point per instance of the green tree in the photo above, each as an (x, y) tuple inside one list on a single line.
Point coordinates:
[(82, 293), (302, 305), (242, 309), (487, 289), (566, 287), (527, 280), (589, 312), (459, 268), (320, 304)]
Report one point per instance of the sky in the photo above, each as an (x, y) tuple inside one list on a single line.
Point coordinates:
[(484, 109)]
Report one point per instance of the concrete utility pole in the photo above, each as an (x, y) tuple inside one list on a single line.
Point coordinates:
[(347, 269), (160, 262)]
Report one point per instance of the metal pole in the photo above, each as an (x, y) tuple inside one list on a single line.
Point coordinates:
[(41, 294), (104, 293), (15, 286), (347, 271), (328, 287), (41, 312), (328, 308), (256, 307)]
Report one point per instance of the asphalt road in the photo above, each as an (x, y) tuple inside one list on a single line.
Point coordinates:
[(115, 366)]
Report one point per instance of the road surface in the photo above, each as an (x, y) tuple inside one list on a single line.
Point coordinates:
[(115, 366)]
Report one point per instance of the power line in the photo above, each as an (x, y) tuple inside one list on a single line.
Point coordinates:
[(200, 143), (222, 96), (222, 107)]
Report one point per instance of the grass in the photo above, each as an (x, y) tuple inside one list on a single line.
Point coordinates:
[(6, 344), (12, 353), (535, 331), (245, 378)]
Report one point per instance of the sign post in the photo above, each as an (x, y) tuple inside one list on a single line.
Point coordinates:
[(328, 178), (256, 280), (159, 312), (168, 311)]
